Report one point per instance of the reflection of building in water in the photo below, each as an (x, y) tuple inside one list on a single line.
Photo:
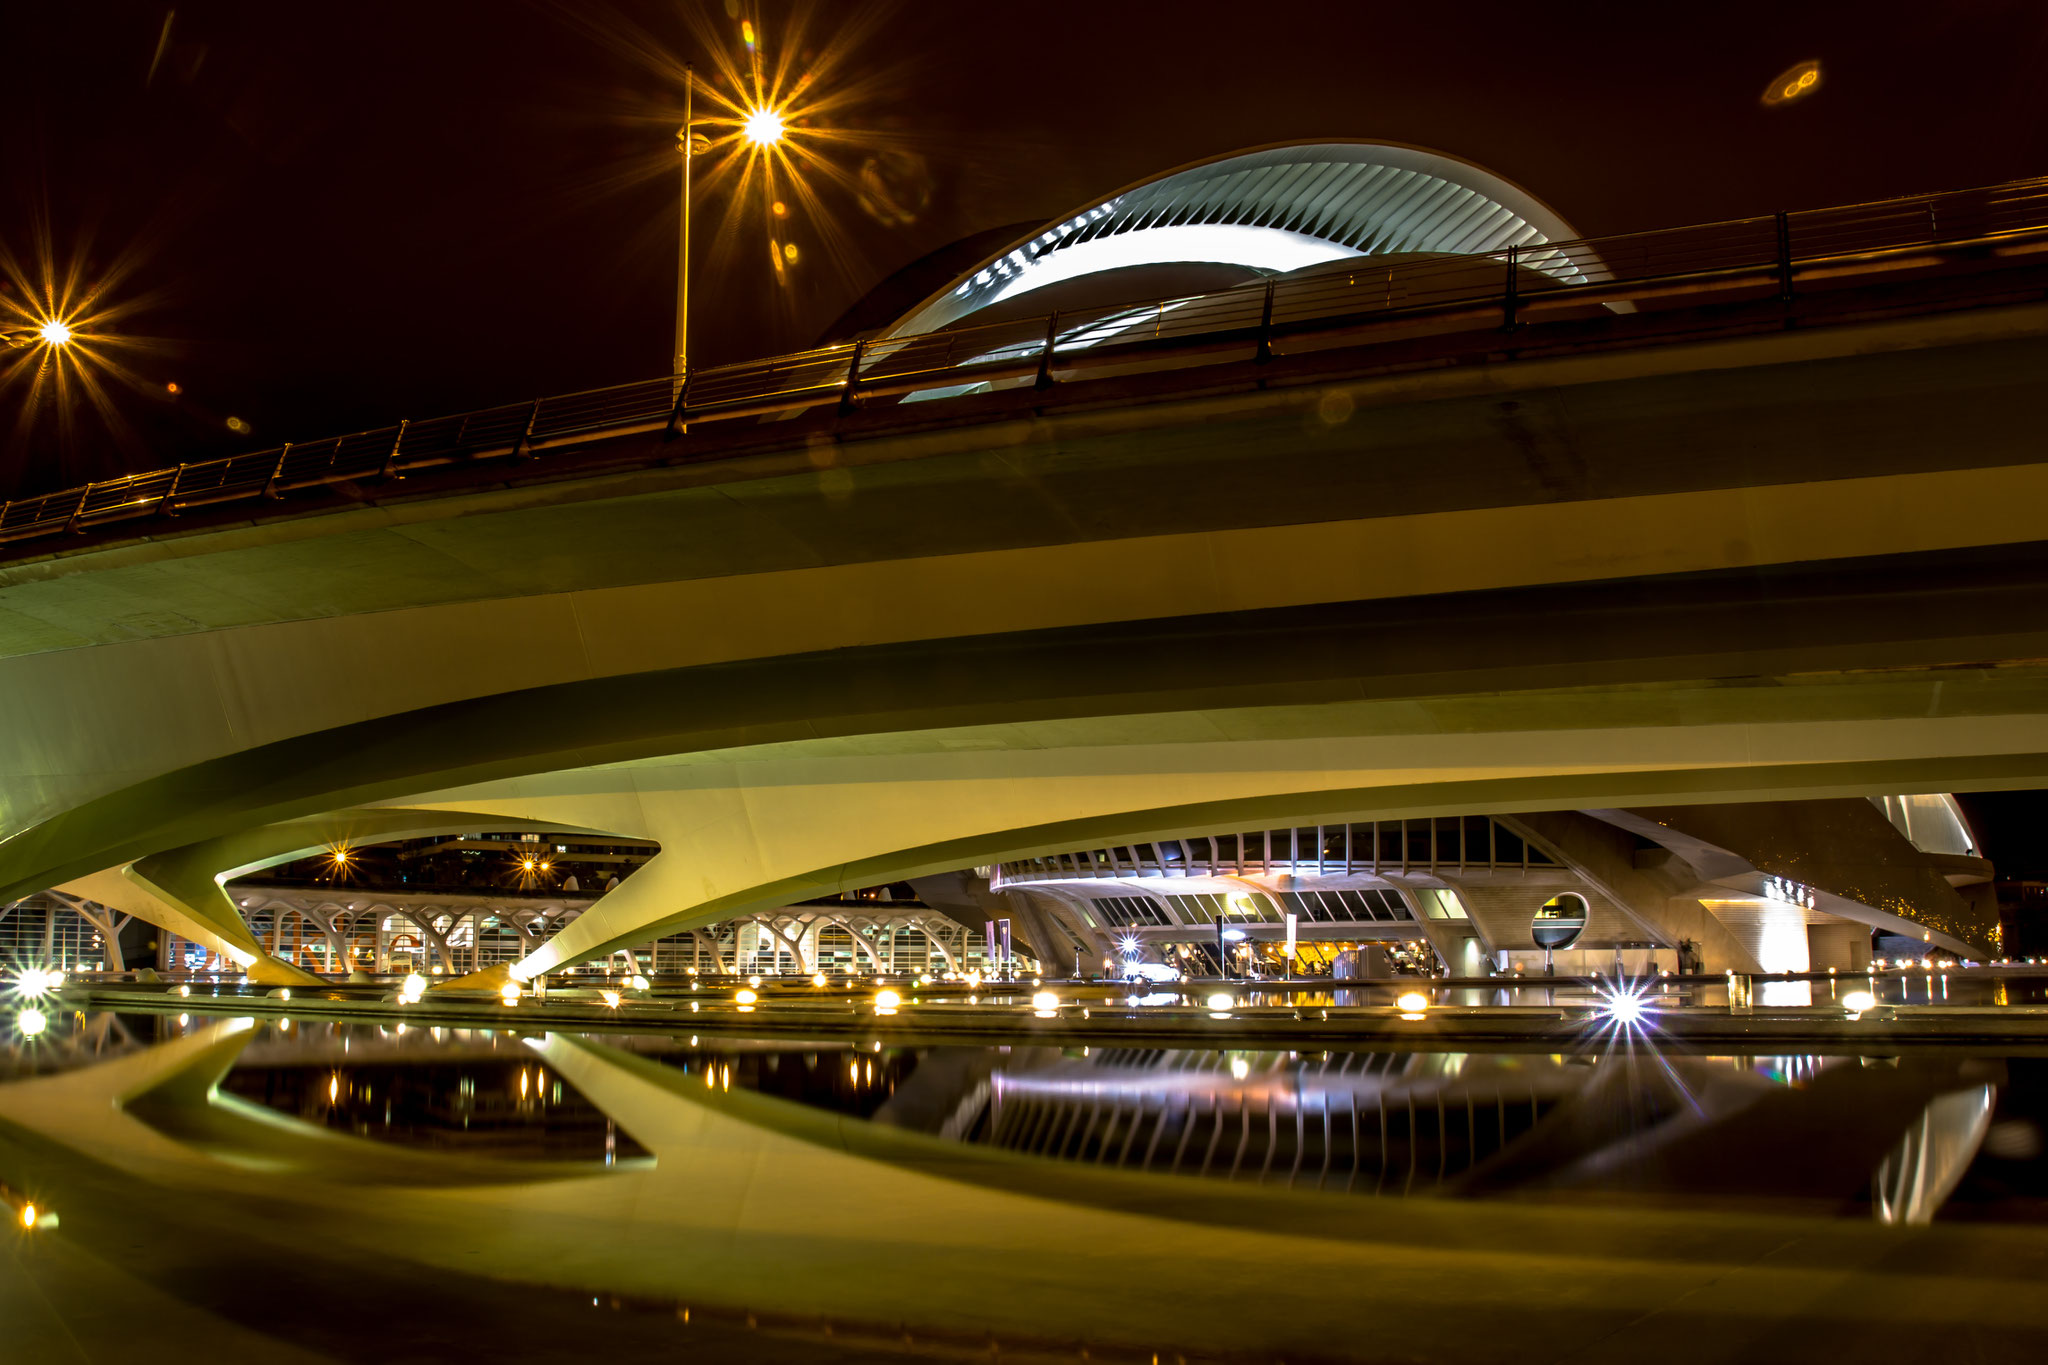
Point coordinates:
[(1921, 1172), (1472, 1124), (1368, 1123)]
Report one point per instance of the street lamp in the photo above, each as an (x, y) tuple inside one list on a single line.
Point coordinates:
[(49, 332), (763, 127)]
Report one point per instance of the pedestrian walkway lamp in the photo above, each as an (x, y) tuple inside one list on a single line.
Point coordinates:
[(760, 127)]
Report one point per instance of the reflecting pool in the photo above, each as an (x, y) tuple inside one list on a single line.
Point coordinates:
[(294, 1189)]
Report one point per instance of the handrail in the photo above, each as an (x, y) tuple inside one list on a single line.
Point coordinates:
[(1736, 260)]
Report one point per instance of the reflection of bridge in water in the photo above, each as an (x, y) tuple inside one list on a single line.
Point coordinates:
[(758, 1204)]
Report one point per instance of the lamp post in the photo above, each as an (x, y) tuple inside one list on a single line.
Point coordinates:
[(685, 135), (762, 127)]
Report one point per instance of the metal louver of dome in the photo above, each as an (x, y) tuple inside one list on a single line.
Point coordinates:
[(1273, 210)]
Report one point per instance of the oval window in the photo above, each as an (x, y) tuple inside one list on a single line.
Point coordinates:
[(1559, 921)]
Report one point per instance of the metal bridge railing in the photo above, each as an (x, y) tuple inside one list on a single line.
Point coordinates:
[(1739, 260)]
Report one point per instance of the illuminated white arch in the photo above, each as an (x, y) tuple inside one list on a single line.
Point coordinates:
[(1273, 210)]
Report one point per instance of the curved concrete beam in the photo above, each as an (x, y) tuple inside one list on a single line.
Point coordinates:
[(227, 934), (183, 890), (1540, 492), (739, 838)]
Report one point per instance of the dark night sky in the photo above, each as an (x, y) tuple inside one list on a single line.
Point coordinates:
[(345, 214)]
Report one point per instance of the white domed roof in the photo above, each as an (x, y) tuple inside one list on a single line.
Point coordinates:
[(1274, 210)]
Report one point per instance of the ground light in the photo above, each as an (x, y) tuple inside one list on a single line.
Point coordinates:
[(31, 1022), (1220, 1004), (509, 992), (35, 981), (1625, 1004), (1626, 1009), (886, 1002), (744, 997), (817, 978), (611, 998), (1411, 1004), (1857, 1002), (1045, 1004)]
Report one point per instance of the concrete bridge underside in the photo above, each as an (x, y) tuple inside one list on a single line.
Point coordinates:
[(1800, 564)]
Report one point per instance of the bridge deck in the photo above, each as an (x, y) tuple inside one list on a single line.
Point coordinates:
[(1931, 253)]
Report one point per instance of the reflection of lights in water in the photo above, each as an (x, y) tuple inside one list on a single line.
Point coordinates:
[(31, 1022), (1784, 994)]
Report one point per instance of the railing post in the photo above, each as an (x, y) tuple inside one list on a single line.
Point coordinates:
[(675, 414), (165, 505), (277, 472), (519, 451), (71, 526), (846, 394), (1510, 300), (1265, 352), (1052, 334), (390, 469), (1784, 257)]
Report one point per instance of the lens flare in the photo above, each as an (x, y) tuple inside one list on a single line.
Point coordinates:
[(1624, 1004), (62, 341), (763, 127), (781, 135), (1793, 83)]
